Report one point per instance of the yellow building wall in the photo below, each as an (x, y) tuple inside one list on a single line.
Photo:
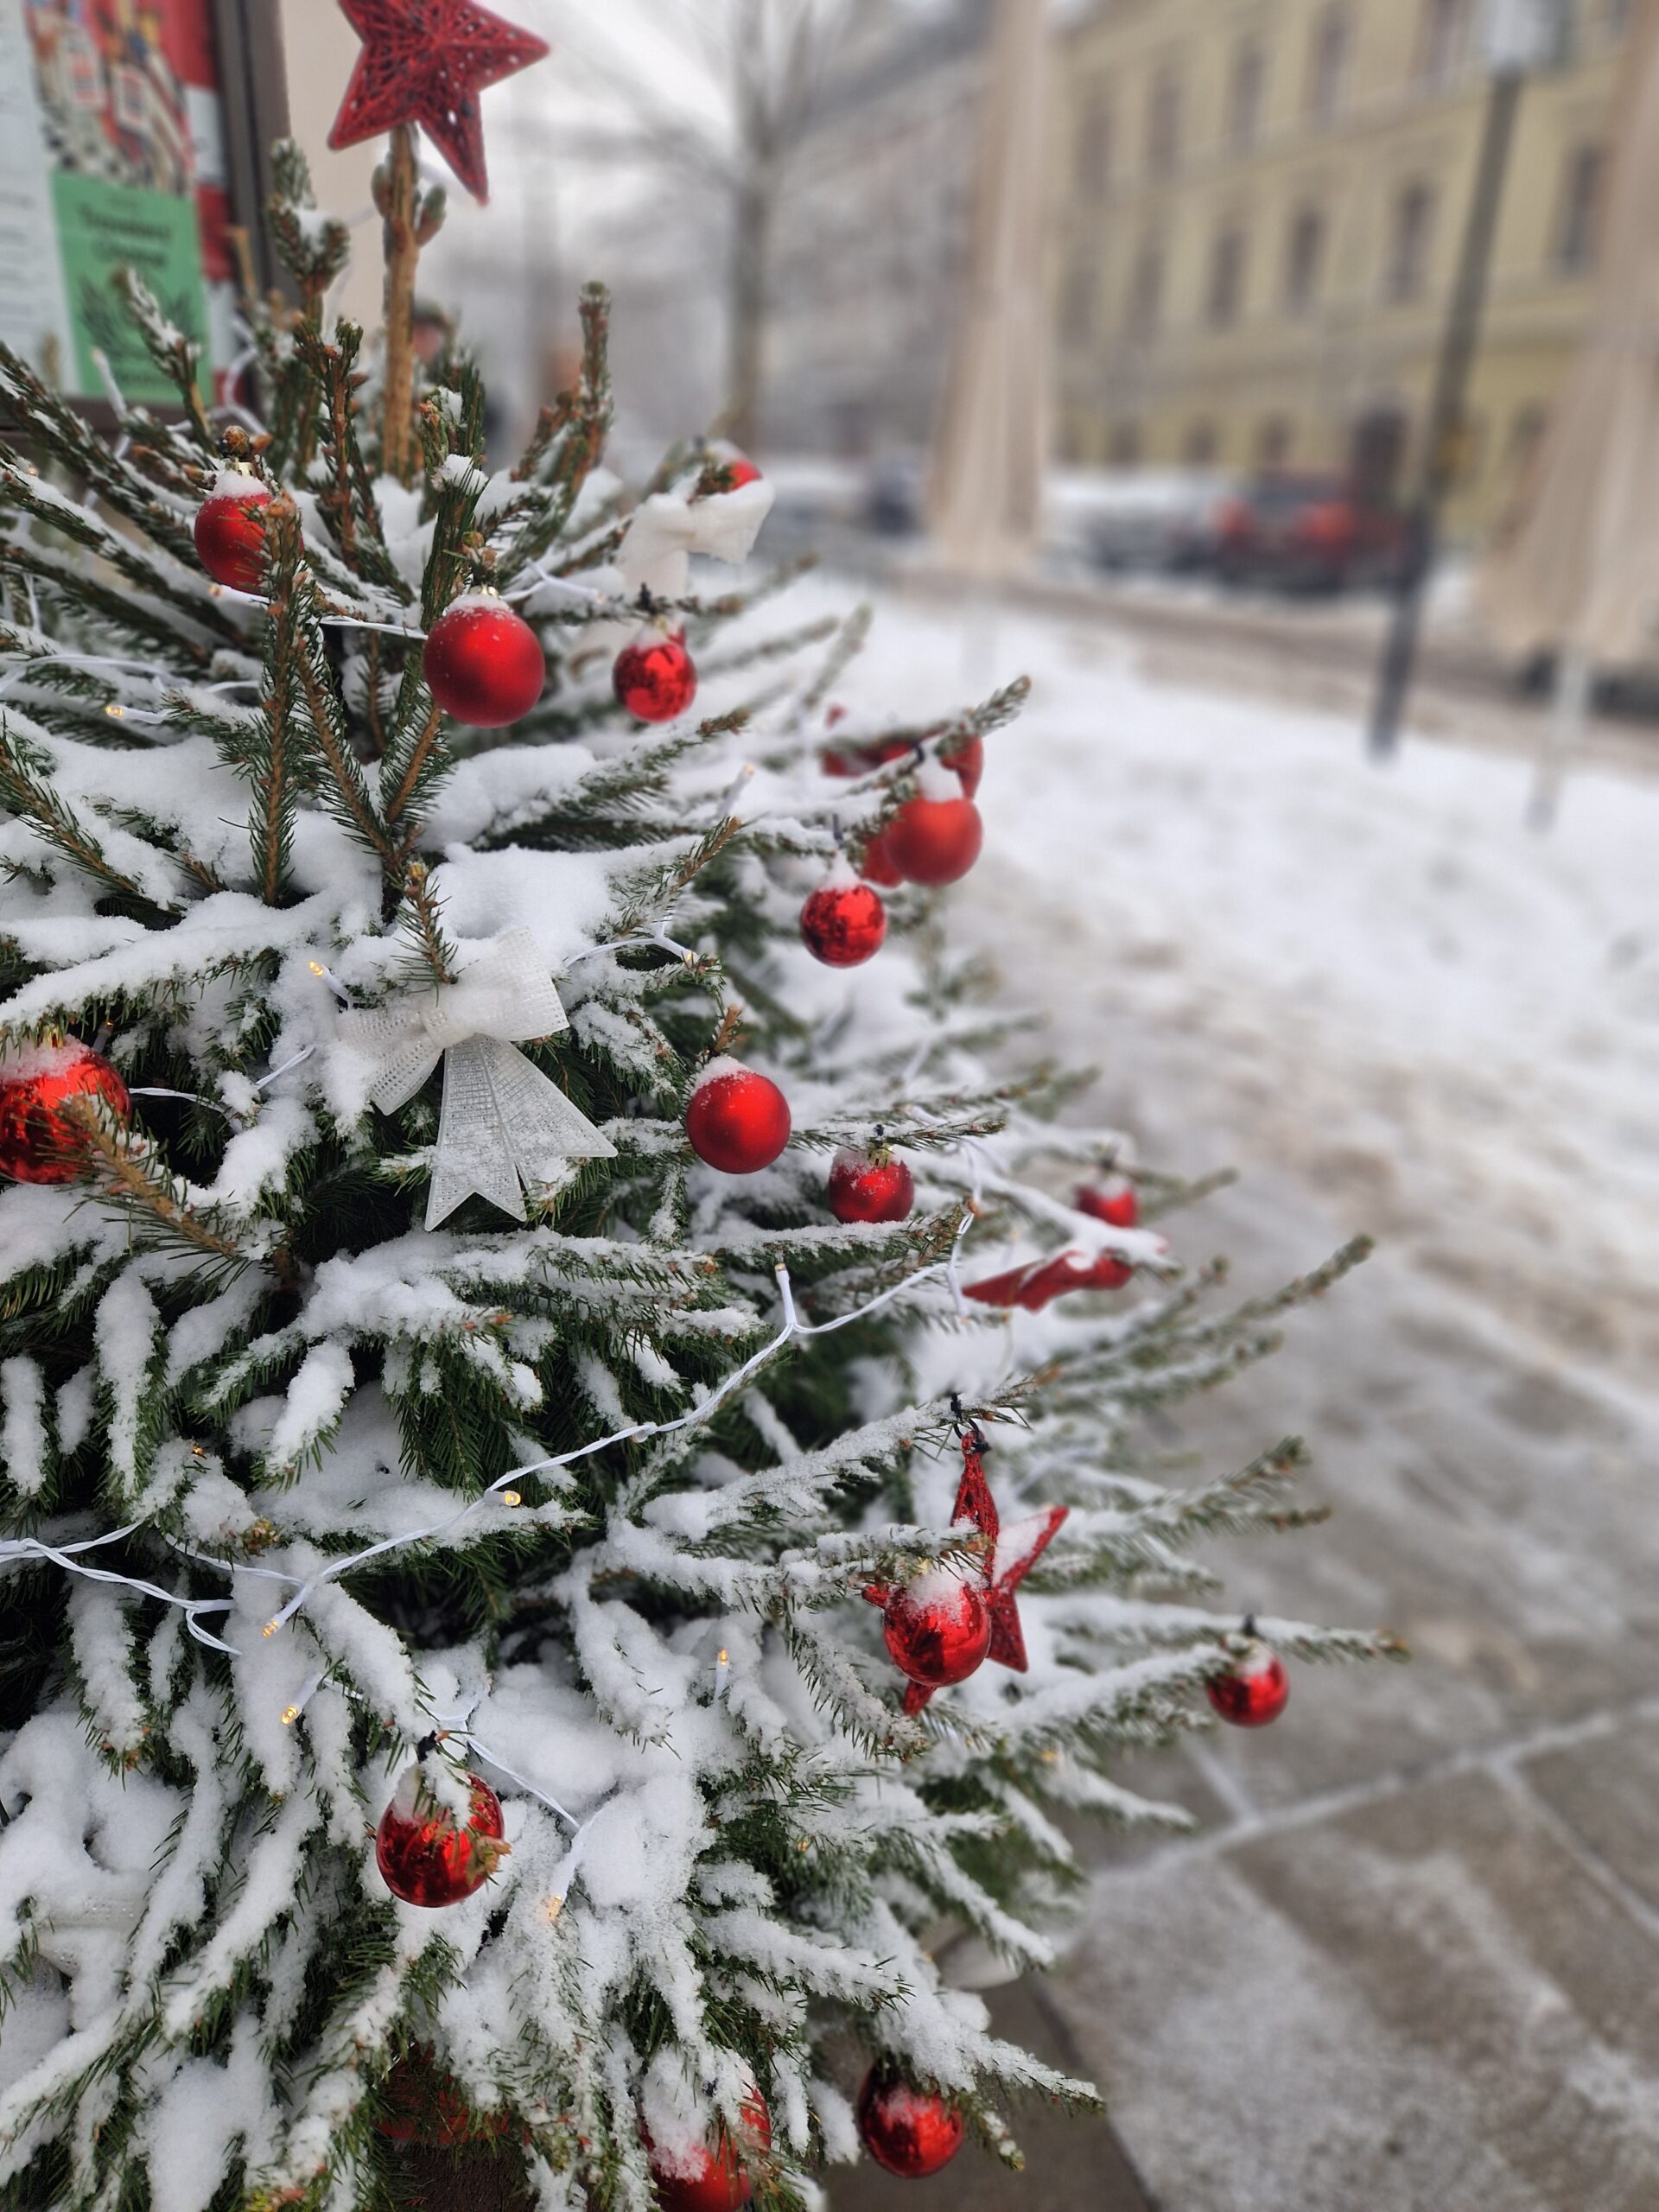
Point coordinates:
[(1353, 352)]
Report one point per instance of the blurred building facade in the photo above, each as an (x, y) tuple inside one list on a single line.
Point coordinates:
[(871, 239), (1260, 207)]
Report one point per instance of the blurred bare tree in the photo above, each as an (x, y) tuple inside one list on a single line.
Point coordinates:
[(716, 96)]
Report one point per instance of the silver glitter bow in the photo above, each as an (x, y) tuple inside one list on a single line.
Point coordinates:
[(503, 1124)]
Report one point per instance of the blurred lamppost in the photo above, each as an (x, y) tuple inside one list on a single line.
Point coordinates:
[(1518, 37)]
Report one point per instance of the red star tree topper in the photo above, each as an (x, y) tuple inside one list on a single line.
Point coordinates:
[(426, 61), (1013, 1551)]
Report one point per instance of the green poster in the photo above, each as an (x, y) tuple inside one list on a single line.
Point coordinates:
[(103, 227)]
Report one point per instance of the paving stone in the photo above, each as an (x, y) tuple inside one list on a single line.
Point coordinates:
[(1418, 2006), (1607, 1791)]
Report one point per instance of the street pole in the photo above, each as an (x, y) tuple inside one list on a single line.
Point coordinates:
[(1444, 429)]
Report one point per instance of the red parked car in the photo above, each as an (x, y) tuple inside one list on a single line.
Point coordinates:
[(1309, 533)]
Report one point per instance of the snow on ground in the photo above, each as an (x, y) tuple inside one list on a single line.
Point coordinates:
[(1413, 1957)]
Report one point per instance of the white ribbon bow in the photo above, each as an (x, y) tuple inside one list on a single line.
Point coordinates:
[(503, 1124), (666, 528)]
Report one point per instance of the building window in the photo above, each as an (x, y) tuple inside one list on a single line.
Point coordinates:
[(1579, 223), (1273, 443), (1125, 449), (1248, 93), (1163, 124), (1327, 64), (1147, 291), (1093, 151), (1303, 259), (1226, 278), (1408, 248), (1200, 446), (1077, 305), (1442, 40)]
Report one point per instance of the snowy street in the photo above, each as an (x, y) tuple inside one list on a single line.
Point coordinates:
[(1412, 1957)]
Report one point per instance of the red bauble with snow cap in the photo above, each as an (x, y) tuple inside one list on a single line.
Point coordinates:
[(427, 1854), (843, 922), (230, 529), (910, 2132), (39, 1142), (482, 663), (737, 1120), (938, 1628), (714, 2179), (935, 837), (1113, 1201), (870, 1186), (1254, 1691), (655, 678)]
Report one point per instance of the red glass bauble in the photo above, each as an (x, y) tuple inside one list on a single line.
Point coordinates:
[(870, 1187), (937, 1629), (1255, 1692), (935, 840), (718, 2182), (230, 531), (742, 471), (843, 922), (656, 679), (876, 863), (39, 1143), (483, 663), (425, 1855), (1114, 1202), (736, 1120), (909, 2132)]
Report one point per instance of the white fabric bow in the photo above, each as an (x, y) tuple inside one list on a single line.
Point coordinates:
[(667, 529), (502, 1123)]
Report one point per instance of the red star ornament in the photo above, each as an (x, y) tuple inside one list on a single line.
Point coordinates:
[(426, 61), (1014, 1551)]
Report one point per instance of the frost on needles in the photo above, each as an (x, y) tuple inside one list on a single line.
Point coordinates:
[(232, 1360)]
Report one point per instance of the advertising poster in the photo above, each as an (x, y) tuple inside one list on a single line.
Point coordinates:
[(111, 154)]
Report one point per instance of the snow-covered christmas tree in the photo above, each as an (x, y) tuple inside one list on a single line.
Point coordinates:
[(571, 1511)]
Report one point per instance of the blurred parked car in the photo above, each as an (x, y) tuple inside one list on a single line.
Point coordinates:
[(1148, 523), (1310, 533), (893, 497)]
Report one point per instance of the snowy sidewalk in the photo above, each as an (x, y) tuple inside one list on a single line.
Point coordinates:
[(1412, 1957)]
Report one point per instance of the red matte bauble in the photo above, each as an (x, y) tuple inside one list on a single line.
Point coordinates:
[(742, 471), (876, 863), (936, 841), (870, 1187), (737, 1120), (909, 2132), (655, 680), (720, 2182), (230, 531), (483, 663), (39, 1143), (843, 922), (1255, 1692), (937, 1629), (425, 1855), (421, 2104), (1115, 1202)]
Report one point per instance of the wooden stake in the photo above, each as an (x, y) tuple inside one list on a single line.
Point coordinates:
[(403, 252)]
